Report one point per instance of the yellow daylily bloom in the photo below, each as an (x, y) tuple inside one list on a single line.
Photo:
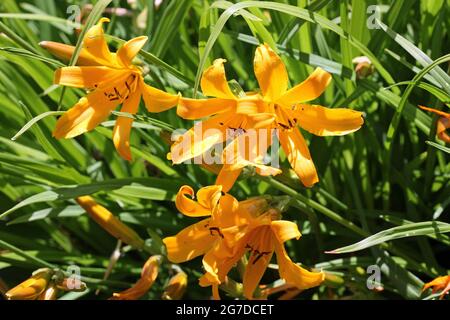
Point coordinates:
[(176, 287), (264, 236), (148, 276), (32, 288), (232, 229), (221, 211), (439, 284), (274, 107), (109, 222), (442, 124), (111, 80)]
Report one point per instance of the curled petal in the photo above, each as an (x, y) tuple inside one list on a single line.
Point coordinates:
[(95, 43), (214, 82), (309, 89), (297, 152), (130, 49), (185, 203), (270, 72), (209, 196)]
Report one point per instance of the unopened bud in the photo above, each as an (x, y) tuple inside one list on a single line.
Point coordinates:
[(176, 287), (31, 288), (110, 223)]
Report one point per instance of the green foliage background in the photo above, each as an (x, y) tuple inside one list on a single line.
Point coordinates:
[(381, 177)]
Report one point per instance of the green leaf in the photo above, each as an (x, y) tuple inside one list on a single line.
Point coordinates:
[(438, 146), (147, 188), (428, 228)]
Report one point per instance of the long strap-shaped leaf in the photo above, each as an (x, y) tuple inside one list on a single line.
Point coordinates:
[(428, 228)]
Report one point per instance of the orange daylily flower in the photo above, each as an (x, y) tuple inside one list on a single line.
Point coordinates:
[(274, 107), (148, 276), (231, 229), (32, 288), (111, 80), (439, 284), (442, 124), (264, 235), (196, 240)]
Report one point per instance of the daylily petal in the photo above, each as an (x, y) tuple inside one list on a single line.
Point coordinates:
[(260, 120), (148, 276), (192, 208), (270, 72), (198, 139), (438, 112), (285, 230), (219, 261), (214, 82), (190, 243), (226, 214), (227, 177), (89, 112), (261, 246), (439, 283), (65, 53), (85, 77), (130, 49), (94, 42), (293, 273), (157, 100), (122, 129), (297, 152), (323, 121), (200, 108), (209, 196), (441, 129), (309, 89)]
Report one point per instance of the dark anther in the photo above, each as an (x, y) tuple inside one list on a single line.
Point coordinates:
[(212, 229), (259, 255)]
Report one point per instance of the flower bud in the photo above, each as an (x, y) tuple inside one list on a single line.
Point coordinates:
[(31, 288), (176, 287), (110, 223), (148, 276), (364, 67)]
